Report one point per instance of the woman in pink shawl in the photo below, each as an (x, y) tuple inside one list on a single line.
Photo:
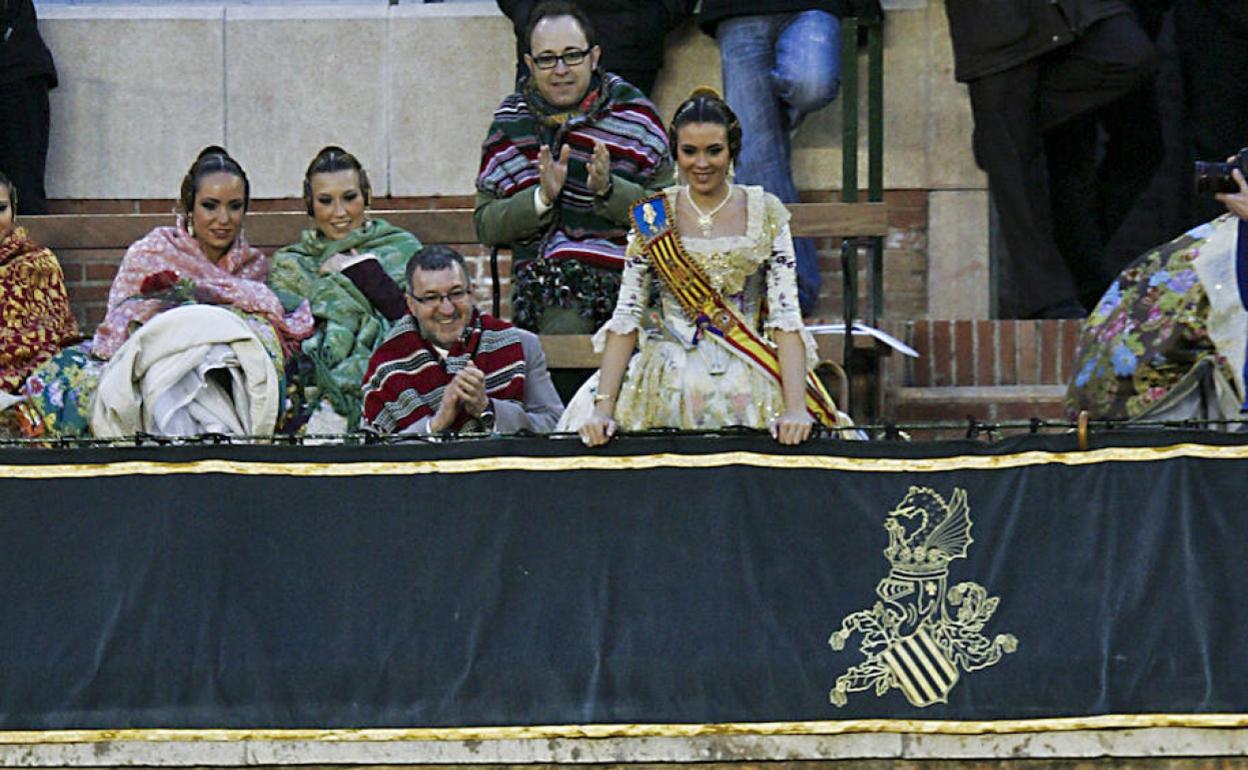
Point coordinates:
[(202, 259)]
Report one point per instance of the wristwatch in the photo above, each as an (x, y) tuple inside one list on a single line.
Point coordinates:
[(486, 419)]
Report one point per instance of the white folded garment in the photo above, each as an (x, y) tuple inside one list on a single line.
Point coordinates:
[(190, 370)]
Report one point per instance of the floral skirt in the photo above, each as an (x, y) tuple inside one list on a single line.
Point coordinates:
[(58, 394), (669, 385)]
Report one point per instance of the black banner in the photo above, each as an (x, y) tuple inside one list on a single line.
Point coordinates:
[(665, 581)]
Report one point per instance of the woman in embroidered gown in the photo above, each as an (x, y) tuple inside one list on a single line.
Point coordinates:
[(1168, 339), (202, 259), (352, 267), (689, 373)]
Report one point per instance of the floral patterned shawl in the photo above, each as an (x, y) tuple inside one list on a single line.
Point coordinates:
[(35, 319), (238, 279)]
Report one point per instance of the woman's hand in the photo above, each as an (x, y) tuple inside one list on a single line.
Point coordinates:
[(335, 263), (597, 430), (1236, 203), (792, 428)]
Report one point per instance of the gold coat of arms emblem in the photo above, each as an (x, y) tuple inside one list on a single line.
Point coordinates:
[(921, 635)]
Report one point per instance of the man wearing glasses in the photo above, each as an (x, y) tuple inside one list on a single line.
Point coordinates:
[(564, 158), (446, 367)]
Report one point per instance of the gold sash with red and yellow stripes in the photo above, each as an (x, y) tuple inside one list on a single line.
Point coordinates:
[(706, 308)]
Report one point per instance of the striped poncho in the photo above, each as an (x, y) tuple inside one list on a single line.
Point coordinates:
[(614, 113), (407, 376)]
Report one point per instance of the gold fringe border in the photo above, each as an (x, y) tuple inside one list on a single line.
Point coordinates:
[(592, 462), (602, 731)]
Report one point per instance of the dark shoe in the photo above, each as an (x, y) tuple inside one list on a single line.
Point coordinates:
[(1065, 309)]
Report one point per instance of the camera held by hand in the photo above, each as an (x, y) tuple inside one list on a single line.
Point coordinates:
[(1213, 177)]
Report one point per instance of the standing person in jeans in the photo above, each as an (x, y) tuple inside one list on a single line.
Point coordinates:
[(27, 73), (781, 61)]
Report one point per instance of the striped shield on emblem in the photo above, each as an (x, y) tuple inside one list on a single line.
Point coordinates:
[(924, 673)]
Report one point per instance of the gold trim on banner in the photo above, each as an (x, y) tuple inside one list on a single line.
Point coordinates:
[(591, 462), (601, 731)]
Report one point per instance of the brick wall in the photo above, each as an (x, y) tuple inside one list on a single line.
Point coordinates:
[(989, 353), (988, 371), (88, 273), (905, 260)]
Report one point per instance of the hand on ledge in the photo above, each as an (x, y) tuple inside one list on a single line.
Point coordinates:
[(792, 428), (597, 430)]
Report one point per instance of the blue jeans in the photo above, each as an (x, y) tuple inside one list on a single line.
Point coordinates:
[(777, 69)]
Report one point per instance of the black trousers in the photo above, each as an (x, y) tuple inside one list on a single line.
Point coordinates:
[(24, 126), (1213, 54), (1016, 112)]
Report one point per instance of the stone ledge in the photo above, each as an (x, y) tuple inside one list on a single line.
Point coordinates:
[(1045, 745)]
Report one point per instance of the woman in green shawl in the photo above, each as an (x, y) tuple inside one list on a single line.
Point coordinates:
[(352, 269)]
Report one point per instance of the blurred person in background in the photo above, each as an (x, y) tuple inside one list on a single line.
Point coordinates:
[(27, 73)]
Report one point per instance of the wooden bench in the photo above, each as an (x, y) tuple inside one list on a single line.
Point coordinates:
[(113, 233)]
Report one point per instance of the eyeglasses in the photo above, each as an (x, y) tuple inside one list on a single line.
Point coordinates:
[(454, 296), (547, 61)]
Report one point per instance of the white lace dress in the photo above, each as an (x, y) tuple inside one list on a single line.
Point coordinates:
[(680, 379)]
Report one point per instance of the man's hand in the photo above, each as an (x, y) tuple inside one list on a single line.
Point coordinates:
[(1236, 203), (553, 172), (466, 391), (600, 170), (444, 418), (470, 384)]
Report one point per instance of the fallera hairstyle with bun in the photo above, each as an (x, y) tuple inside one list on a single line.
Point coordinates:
[(333, 158), (211, 160), (705, 105)]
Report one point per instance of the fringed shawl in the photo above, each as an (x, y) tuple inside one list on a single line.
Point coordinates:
[(236, 280), (35, 319), (348, 326)]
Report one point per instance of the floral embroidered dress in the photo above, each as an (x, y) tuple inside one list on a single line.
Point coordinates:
[(683, 379), (1172, 319)]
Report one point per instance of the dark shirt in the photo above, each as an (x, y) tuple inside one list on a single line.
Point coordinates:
[(22, 51), (991, 36)]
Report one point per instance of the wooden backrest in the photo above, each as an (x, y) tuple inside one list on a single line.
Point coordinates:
[(838, 220), (269, 229), (264, 228), (276, 228)]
